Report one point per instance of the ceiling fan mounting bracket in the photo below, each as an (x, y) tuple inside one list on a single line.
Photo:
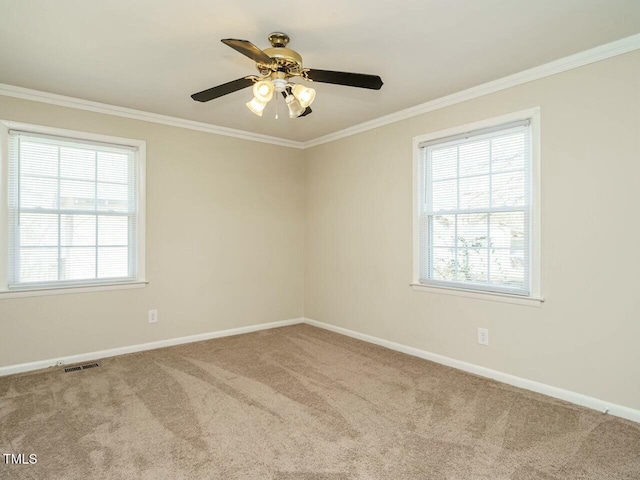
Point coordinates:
[(278, 39)]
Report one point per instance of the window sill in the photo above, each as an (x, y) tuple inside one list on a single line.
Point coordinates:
[(489, 296), (40, 292)]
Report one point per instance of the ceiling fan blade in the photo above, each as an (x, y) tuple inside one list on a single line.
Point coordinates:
[(360, 80), (223, 89), (248, 49)]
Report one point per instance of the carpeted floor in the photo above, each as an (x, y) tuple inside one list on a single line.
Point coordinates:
[(299, 403)]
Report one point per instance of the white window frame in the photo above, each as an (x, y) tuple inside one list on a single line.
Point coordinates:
[(140, 145), (535, 296)]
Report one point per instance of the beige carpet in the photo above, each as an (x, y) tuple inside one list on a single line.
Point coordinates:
[(299, 403)]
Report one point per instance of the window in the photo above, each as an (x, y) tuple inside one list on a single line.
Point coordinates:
[(476, 223), (74, 211)]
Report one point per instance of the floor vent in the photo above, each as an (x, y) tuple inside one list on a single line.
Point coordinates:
[(81, 367)]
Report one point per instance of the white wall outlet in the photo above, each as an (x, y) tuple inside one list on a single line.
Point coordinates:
[(59, 363), (153, 316), (483, 336)]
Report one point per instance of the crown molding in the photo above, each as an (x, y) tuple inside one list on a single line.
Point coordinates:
[(608, 50), (81, 104), (618, 47)]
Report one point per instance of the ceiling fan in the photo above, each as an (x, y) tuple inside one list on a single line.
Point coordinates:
[(279, 65)]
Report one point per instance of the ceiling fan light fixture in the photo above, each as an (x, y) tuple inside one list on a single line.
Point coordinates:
[(295, 108), (305, 95), (256, 106), (263, 90), (277, 67)]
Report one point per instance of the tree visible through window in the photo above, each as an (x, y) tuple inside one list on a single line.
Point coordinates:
[(475, 210)]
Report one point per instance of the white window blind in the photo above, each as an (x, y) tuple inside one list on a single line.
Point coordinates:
[(475, 210), (73, 211)]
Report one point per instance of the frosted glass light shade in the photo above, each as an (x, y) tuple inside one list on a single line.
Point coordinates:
[(295, 109), (256, 106), (263, 90), (305, 95)]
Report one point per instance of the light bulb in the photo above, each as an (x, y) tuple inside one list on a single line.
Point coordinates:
[(305, 95), (295, 109), (256, 106), (263, 90)]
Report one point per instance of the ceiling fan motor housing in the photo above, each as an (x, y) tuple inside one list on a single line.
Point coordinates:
[(287, 60), (285, 57)]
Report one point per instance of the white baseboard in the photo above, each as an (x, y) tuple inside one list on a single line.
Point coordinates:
[(112, 352), (569, 396), (566, 395)]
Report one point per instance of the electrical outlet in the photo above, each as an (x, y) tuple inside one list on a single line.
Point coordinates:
[(483, 336), (59, 363), (153, 316)]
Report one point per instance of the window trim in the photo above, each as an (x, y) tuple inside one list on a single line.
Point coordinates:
[(535, 297), (98, 285)]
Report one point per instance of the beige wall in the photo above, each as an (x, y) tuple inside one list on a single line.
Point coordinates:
[(586, 336), (225, 240), (224, 243)]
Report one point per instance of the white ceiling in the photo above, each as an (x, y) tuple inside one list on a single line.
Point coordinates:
[(152, 54)]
